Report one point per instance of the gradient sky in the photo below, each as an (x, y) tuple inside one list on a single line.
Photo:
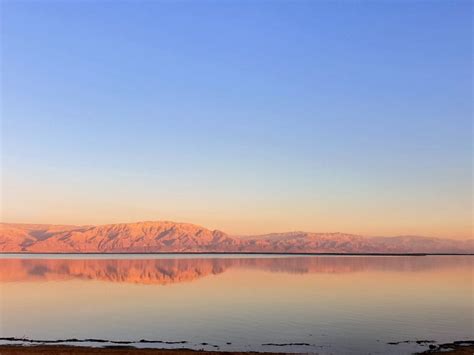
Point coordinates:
[(246, 116)]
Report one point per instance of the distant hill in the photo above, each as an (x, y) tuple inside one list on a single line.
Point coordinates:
[(165, 236)]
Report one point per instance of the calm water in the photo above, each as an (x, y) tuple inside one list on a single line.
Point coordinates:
[(335, 304)]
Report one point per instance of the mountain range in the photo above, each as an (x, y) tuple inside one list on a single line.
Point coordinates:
[(165, 236)]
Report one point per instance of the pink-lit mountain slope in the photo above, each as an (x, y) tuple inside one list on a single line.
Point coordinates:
[(183, 237)]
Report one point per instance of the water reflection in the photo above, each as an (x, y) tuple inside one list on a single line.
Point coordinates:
[(168, 271)]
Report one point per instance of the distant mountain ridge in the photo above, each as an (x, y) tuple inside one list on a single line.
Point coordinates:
[(166, 236)]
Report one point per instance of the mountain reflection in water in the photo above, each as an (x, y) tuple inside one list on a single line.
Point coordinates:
[(175, 270)]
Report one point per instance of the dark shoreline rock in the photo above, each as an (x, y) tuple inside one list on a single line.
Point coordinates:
[(456, 347)]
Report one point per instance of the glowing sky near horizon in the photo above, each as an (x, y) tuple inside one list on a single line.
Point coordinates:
[(249, 117)]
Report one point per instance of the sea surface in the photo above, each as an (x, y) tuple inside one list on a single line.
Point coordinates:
[(315, 304)]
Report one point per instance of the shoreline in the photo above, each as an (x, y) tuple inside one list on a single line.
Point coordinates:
[(455, 348), (234, 253), (112, 349)]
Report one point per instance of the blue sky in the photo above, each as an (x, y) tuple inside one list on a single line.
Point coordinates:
[(248, 116)]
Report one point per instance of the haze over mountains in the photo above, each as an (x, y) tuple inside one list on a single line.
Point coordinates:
[(167, 236)]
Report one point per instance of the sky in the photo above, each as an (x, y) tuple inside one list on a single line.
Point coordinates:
[(244, 116)]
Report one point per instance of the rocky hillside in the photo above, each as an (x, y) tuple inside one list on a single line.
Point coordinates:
[(144, 237)]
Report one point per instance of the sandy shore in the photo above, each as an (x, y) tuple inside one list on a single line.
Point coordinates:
[(121, 350)]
